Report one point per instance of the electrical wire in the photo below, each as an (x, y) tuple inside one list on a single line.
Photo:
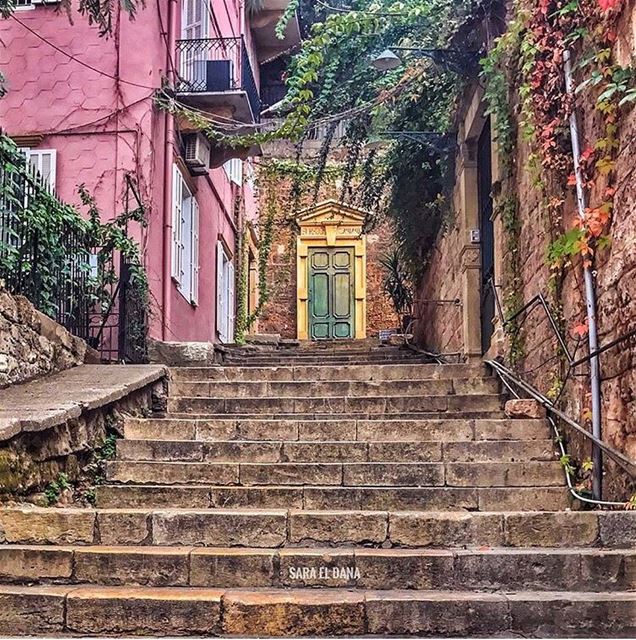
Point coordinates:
[(80, 62), (106, 117)]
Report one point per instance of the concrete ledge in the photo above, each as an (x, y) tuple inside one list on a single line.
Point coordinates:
[(51, 401)]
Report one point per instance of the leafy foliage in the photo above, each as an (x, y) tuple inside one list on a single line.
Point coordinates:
[(98, 12), (44, 281), (397, 284), (54, 490)]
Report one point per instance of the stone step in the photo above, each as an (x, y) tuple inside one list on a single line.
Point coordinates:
[(343, 429), (349, 388), (335, 404), (348, 474), (91, 610), (359, 568), (310, 497), (285, 373), (326, 360), (351, 415), (279, 527), (334, 451)]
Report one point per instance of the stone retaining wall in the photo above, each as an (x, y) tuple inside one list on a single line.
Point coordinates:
[(31, 344), (37, 445)]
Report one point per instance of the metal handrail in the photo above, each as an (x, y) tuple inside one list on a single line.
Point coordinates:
[(626, 463), (508, 376), (498, 367)]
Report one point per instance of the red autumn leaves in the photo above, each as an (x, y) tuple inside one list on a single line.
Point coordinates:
[(608, 5)]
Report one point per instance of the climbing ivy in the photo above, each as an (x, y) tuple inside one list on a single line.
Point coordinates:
[(331, 83), (42, 222)]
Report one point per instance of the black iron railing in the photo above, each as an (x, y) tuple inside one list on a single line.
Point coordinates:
[(46, 258), (213, 65), (544, 372), (48, 254)]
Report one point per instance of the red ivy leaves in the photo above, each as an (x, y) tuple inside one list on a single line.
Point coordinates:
[(608, 5), (580, 329)]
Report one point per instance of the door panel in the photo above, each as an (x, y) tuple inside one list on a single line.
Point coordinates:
[(342, 295), (331, 291), (487, 238), (320, 298)]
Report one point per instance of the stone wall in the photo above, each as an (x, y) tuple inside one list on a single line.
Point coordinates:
[(444, 328), (31, 344), (35, 456)]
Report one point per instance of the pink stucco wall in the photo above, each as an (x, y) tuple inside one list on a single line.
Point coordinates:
[(92, 100)]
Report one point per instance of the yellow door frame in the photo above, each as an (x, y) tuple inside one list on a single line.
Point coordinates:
[(331, 224)]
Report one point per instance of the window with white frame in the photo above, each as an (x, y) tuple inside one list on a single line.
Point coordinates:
[(194, 19), (44, 161), (185, 238), (234, 170), (249, 175), (224, 294)]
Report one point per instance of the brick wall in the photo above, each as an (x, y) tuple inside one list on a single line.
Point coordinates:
[(279, 315)]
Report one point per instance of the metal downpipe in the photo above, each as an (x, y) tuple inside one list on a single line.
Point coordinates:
[(169, 132), (590, 294)]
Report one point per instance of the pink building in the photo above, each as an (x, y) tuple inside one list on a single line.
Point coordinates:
[(85, 109)]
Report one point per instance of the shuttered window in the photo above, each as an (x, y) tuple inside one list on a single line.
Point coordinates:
[(185, 238), (224, 294), (194, 20), (234, 170)]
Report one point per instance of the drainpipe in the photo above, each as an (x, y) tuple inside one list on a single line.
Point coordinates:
[(590, 294), (169, 129)]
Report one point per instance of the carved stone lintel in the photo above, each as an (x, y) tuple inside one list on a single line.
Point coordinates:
[(470, 257)]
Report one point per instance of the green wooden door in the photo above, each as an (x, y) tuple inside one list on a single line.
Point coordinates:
[(331, 293)]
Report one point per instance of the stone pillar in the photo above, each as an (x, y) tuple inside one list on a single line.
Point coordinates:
[(470, 256), (471, 291), (302, 319)]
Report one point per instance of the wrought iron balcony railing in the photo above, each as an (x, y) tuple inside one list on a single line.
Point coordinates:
[(217, 65)]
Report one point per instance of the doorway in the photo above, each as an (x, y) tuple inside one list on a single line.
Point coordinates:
[(486, 236), (331, 293)]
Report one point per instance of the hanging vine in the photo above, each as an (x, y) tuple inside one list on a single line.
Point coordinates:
[(527, 97)]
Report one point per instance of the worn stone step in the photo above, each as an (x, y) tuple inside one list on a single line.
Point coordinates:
[(349, 388), (310, 497), (278, 527), (285, 373), (336, 404), (92, 610), (343, 429), (334, 451), (351, 357), (326, 362), (486, 569), (380, 474), (351, 415)]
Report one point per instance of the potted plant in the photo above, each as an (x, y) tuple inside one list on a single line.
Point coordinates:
[(397, 285)]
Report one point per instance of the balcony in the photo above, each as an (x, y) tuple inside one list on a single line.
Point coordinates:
[(215, 75), (263, 22)]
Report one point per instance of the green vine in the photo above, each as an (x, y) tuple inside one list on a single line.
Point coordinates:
[(65, 241)]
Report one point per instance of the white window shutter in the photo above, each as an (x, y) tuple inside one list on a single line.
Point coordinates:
[(220, 293), (177, 197), (194, 19), (44, 161), (231, 311), (194, 266)]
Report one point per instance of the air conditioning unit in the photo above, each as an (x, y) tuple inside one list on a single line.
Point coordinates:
[(197, 153)]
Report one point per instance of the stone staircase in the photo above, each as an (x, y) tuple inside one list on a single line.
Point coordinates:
[(325, 490)]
